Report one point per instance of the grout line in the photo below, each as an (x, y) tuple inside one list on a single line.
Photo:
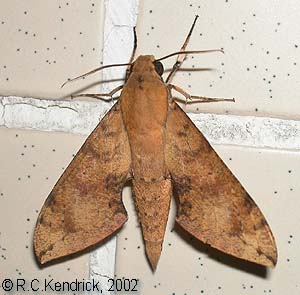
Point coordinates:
[(249, 131), (119, 20), (81, 117)]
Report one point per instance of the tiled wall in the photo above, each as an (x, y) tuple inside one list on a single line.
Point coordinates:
[(31, 162), (261, 43), (44, 44)]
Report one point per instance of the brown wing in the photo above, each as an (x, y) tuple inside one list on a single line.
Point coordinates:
[(85, 206), (213, 205)]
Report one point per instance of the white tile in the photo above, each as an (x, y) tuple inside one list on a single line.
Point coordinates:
[(45, 43), (260, 67), (31, 163)]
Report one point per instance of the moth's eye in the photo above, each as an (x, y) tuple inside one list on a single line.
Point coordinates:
[(159, 68)]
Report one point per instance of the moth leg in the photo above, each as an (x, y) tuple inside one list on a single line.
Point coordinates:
[(181, 57), (100, 95), (198, 98)]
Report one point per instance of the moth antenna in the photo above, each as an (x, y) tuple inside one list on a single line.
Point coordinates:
[(94, 71), (190, 52), (181, 58), (133, 52)]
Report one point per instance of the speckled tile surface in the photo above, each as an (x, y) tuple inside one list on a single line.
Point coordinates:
[(31, 162), (45, 43), (189, 267), (260, 69), (261, 40)]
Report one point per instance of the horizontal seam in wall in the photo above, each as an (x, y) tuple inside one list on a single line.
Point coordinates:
[(80, 117)]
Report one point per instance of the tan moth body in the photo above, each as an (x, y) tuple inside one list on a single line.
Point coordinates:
[(148, 139), (151, 183)]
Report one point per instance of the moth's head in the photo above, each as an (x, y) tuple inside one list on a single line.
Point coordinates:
[(147, 63)]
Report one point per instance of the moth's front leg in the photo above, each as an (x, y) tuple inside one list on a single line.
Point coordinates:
[(100, 95)]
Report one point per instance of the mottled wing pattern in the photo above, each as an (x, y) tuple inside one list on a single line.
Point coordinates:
[(213, 205), (85, 206)]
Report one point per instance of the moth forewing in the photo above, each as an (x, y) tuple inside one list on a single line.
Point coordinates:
[(213, 205), (85, 205)]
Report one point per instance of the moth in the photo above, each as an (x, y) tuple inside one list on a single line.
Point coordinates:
[(148, 139)]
